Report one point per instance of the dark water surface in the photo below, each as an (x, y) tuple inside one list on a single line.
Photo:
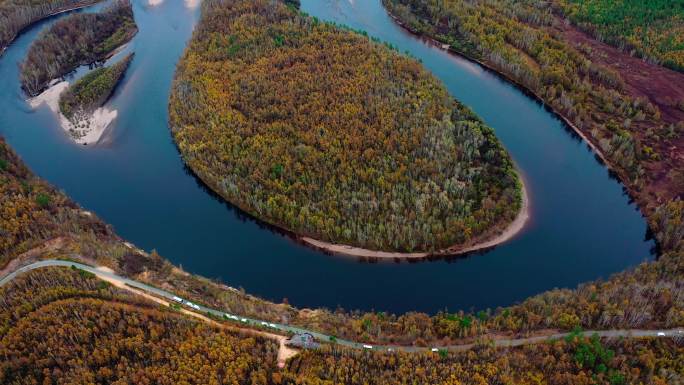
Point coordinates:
[(583, 225)]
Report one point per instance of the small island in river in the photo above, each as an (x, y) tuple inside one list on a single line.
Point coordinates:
[(76, 40), (80, 39), (81, 104), (335, 136)]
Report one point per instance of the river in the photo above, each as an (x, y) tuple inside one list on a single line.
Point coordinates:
[(583, 225)]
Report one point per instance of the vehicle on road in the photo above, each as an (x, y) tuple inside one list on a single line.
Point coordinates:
[(661, 334), (367, 346), (434, 350), (178, 299)]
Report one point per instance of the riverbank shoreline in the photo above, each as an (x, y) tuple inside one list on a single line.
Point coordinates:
[(615, 172), (521, 87), (90, 127), (89, 4), (483, 243)]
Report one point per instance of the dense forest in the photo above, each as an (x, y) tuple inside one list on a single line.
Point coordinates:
[(653, 29), (332, 135), (635, 126), (33, 212), (571, 361), (65, 326), (61, 325), (76, 40), (16, 15), (92, 90)]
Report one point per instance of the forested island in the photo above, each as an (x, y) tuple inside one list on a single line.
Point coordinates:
[(80, 100), (334, 136), (76, 40), (15, 15)]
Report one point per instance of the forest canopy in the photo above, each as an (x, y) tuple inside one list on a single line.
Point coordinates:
[(92, 90), (16, 15), (76, 40), (332, 135), (654, 29), (65, 326), (633, 120)]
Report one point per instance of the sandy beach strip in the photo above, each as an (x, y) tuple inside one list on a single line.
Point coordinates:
[(513, 229), (97, 122)]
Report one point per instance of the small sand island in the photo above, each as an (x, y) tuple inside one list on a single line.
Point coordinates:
[(88, 133), (80, 39), (337, 137), (80, 107)]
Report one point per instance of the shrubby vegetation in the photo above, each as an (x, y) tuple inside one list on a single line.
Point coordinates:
[(33, 212), (16, 15), (575, 361), (92, 90), (76, 40), (521, 39), (64, 326), (654, 29), (331, 135)]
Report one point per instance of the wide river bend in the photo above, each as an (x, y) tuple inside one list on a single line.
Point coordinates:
[(583, 226)]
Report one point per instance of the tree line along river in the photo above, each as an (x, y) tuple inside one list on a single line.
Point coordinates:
[(582, 225)]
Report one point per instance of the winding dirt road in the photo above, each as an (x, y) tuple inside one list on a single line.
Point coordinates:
[(254, 327)]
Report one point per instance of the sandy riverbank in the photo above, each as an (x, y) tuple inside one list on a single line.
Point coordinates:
[(508, 233), (88, 129), (188, 3)]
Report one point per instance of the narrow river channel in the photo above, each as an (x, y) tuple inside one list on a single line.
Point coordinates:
[(583, 226)]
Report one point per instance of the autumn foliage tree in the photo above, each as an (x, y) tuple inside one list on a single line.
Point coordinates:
[(76, 40), (332, 135), (16, 15)]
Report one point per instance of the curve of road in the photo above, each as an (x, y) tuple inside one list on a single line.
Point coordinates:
[(250, 324)]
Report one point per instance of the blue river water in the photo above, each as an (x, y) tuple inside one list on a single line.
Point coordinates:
[(583, 226)]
